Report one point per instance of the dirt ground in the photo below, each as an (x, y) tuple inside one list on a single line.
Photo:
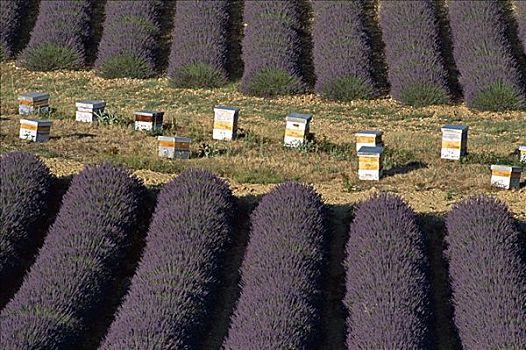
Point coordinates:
[(257, 161)]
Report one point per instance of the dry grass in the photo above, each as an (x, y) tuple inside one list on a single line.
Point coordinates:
[(253, 163)]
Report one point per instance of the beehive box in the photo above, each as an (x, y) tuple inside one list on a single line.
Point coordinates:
[(225, 123), (505, 176), (368, 139), (35, 130), (370, 163), (174, 147), (522, 152), (454, 141), (33, 102), (297, 129), (149, 120), (87, 110)]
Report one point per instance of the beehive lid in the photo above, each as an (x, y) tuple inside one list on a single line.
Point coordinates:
[(228, 108), (522, 148), (299, 118), (91, 103), (512, 168), (182, 139), (374, 133), (455, 127), (166, 138), (148, 113), (36, 121), (34, 96), (370, 151)]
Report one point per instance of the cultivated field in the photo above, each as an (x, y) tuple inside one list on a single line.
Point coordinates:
[(256, 161)]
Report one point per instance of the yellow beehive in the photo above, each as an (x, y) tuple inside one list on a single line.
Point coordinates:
[(297, 129), (174, 147), (225, 123), (505, 176), (454, 141), (35, 130), (370, 163), (33, 102), (522, 151), (368, 139)]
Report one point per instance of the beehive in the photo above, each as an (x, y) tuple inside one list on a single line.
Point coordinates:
[(149, 120), (88, 110), (33, 102), (454, 141), (370, 161), (174, 147), (368, 139), (35, 130), (505, 176), (225, 123), (297, 129), (522, 152)]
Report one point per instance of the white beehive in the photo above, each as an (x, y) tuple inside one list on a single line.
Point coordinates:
[(370, 163), (174, 147), (522, 152), (297, 129), (88, 110), (35, 130), (225, 123), (33, 102), (148, 120), (505, 176), (454, 141), (368, 139)]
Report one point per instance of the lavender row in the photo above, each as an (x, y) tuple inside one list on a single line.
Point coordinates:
[(388, 288), (272, 48), (130, 40), (487, 262), (11, 18), (279, 306), (200, 47), (176, 283), (342, 51), (489, 73), (60, 35), (410, 31), (71, 280), (25, 185)]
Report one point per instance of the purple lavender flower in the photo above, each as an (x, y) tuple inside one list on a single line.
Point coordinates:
[(388, 290), (487, 267), (279, 306)]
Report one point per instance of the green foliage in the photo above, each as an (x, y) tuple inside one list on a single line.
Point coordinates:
[(498, 97), (49, 57), (109, 117), (348, 89), (273, 82), (126, 65), (489, 158), (198, 75), (420, 95)]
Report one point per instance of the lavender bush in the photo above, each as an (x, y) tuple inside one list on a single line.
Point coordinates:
[(62, 295), (24, 197), (417, 72), (272, 48), (176, 283), (388, 290), (200, 47), (58, 40), (342, 51), (489, 74), (130, 39), (279, 304), (487, 267), (11, 19)]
